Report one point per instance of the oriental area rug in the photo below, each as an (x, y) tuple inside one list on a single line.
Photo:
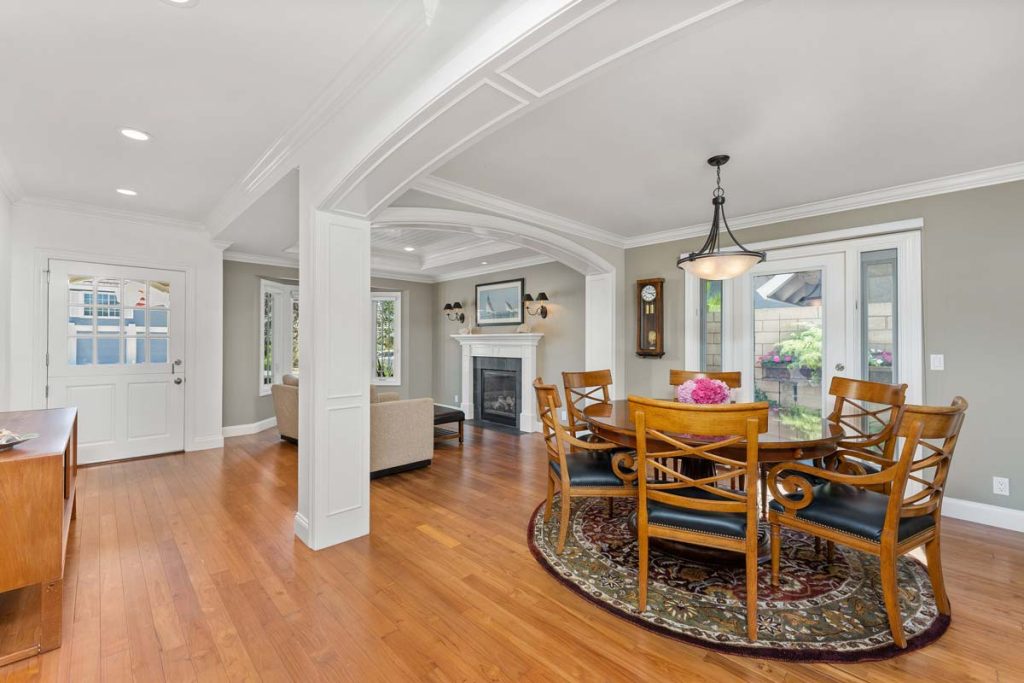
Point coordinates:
[(822, 611)]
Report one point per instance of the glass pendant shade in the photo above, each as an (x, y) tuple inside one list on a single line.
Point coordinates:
[(712, 262)]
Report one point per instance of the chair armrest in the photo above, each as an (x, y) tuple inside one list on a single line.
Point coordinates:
[(624, 466), (788, 475), (588, 445)]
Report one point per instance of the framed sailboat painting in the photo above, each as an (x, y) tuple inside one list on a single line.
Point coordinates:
[(500, 303)]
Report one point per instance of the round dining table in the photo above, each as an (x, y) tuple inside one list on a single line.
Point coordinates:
[(782, 442)]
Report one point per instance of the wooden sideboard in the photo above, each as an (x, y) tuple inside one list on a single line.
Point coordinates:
[(37, 504)]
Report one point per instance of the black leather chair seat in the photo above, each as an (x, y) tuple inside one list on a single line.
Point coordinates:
[(853, 510), (589, 470), (444, 415), (718, 523)]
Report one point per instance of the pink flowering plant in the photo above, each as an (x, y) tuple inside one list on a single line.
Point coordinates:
[(703, 391)]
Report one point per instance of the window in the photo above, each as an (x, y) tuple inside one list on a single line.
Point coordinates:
[(115, 321), (711, 325), (279, 333), (879, 315), (387, 336)]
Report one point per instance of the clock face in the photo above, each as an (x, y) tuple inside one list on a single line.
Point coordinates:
[(648, 293)]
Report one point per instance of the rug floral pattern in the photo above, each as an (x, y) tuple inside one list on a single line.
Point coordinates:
[(822, 611)]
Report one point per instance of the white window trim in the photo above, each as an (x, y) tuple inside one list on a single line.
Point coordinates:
[(397, 379), (282, 325)]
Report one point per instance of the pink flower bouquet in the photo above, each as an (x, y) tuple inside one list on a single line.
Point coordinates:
[(703, 391)]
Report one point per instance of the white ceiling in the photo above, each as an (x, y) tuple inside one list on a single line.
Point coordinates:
[(215, 84), (813, 100)]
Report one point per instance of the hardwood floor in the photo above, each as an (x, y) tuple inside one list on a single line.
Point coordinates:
[(185, 568)]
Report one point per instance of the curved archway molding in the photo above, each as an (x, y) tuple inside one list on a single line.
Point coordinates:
[(566, 251), (603, 305)]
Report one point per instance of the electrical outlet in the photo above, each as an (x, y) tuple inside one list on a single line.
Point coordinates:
[(456, 398), (1001, 486), (938, 361), (565, 415)]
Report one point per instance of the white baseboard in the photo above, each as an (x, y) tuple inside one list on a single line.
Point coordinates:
[(983, 513), (202, 443), (252, 428), (302, 528)]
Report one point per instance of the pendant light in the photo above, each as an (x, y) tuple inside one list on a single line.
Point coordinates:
[(712, 262)]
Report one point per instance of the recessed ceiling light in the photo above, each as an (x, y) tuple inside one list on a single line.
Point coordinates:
[(182, 3), (483, 263), (135, 134), (126, 192), (409, 248)]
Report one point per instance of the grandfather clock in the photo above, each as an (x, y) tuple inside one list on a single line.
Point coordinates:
[(650, 318)]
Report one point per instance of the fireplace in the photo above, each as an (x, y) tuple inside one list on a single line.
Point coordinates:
[(497, 387)]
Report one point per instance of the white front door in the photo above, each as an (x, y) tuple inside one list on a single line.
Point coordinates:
[(116, 341)]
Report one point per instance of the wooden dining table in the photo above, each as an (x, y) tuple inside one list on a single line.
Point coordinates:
[(784, 441)]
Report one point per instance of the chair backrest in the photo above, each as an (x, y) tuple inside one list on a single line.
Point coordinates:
[(665, 424), (583, 389), (934, 431), (868, 412), (548, 404), (732, 379)]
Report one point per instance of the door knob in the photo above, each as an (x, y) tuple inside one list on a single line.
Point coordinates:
[(840, 367), (178, 380)]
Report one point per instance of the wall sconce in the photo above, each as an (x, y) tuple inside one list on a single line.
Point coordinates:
[(537, 306), (454, 312)]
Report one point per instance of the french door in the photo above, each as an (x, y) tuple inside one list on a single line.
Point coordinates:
[(808, 313), (115, 351)]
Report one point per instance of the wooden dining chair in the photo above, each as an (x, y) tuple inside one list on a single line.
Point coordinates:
[(867, 412), (732, 379), (577, 468), (849, 509), (678, 507), (583, 389)]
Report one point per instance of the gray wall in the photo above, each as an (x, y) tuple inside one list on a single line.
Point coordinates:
[(242, 402), (561, 348), (972, 244), (418, 319)]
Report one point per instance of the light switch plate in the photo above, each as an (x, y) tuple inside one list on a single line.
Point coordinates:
[(938, 361)]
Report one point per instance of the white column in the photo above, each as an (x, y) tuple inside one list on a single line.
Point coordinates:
[(334, 384), (599, 350), (467, 406)]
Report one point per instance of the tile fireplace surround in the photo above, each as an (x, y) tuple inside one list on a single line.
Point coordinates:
[(522, 346)]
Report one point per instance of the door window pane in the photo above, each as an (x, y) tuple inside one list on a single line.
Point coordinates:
[(108, 316), (711, 325), (267, 365), (879, 318), (788, 346)]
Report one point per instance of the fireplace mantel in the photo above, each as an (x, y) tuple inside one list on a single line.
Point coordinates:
[(523, 346)]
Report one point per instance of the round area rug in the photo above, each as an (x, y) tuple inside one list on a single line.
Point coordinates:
[(821, 612)]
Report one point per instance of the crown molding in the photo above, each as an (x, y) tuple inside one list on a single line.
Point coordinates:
[(260, 259), (466, 253), (94, 211), (401, 275), (9, 185), (526, 262), (439, 187), (995, 175), (401, 26)]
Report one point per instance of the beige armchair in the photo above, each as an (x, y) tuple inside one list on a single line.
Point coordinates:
[(401, 431)]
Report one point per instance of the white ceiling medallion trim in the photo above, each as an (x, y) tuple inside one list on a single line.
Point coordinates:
[(542, 240), (996, 175), (515, 264), (9, 184), (439, 187), (261, 259), (504, 68), (384, 152), (116, 214)]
